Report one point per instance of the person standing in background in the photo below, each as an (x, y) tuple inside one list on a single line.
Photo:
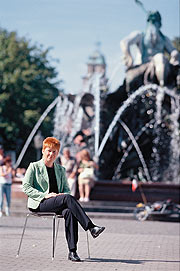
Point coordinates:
[(6, 176), (70, 164)]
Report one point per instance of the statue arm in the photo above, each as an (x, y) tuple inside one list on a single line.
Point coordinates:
[(168, 45), (125, 44), (174, 54)]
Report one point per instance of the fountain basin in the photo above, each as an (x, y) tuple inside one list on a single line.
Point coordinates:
[(117, 191)]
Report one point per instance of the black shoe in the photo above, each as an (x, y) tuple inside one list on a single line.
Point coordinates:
[(73, 257), (95, 231)]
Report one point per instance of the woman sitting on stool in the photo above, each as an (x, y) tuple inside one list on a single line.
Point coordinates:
[(47, 189)]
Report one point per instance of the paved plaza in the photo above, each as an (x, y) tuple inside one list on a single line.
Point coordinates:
[(125, 245)]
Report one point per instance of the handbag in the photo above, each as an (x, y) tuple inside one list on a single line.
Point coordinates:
[(87, 173)]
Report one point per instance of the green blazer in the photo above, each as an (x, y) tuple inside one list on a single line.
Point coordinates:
[(36, 182)]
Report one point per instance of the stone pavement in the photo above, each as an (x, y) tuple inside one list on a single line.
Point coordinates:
[(124, 245)]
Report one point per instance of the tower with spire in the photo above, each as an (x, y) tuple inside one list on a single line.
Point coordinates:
[(96, 64)]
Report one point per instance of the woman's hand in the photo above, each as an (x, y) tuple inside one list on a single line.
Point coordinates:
[(50, 195)]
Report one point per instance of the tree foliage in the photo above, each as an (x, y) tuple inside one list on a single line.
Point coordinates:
[(27, 87)]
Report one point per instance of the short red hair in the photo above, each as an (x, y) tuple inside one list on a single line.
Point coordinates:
[(51, 142)]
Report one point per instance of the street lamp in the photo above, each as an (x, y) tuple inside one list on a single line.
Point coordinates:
[(38, 140)]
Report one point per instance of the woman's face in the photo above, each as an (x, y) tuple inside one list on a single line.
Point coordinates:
[(49, 154), (66, 153)]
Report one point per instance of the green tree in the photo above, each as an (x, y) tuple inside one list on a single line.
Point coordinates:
[(28, 85)]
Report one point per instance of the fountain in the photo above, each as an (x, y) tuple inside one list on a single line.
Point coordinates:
[(153, 100), (137, 126), (143, 135), (118, 169), (149, 97), (135, 129)]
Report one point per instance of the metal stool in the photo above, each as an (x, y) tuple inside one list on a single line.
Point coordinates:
[(54, 230)]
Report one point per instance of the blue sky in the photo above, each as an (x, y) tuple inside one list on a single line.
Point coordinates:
[(72, 27)]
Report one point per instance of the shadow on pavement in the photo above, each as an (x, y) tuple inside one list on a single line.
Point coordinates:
[(127, 261), (113, 261)]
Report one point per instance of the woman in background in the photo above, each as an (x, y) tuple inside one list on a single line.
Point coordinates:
[(6, 176), (86, 176)]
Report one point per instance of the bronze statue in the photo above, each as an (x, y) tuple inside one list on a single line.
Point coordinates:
[(151, 46)]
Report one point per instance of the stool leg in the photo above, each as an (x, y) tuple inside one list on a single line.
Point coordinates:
[(22, 235), (57, 229), (88, 244), (53, 236)]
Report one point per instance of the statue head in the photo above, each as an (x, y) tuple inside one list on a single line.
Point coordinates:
[(155, 18)]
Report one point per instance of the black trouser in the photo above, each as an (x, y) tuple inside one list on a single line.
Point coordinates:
[(72, 212)]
